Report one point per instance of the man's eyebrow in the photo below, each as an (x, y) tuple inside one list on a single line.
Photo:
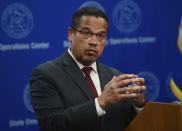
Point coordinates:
[(88, 29), (85, 28)]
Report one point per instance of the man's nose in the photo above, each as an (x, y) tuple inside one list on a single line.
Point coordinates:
[(93, 40)]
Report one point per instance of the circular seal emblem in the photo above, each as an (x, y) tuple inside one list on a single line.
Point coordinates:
[(152, 85), (92, 4), (127, 16), (17, 21), (27, 98)]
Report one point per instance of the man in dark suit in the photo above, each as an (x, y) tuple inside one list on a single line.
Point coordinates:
[(75, 93)]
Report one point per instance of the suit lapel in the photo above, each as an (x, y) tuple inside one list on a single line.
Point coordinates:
[(104, 75), (75, 73)]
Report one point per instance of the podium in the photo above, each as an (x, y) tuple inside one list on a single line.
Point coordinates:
[(158, 117)]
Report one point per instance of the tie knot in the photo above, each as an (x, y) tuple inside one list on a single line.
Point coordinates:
[(87, 70)]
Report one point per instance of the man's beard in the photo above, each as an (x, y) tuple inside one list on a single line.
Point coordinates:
[(88, 60)]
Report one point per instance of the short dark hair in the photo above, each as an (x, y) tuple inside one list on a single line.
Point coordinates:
[(87, 11)]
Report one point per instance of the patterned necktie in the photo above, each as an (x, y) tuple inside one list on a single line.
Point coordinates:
[(90, 83)]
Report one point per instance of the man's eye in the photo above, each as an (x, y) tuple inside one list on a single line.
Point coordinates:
[(101, 35)]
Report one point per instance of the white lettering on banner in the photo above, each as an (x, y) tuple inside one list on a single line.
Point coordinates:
[(15, 123), (24, 46), (114, 41), (26, 122), (147, 39), (135, 40), (20, 47), (31, 121), (5, 47), (39, 45)]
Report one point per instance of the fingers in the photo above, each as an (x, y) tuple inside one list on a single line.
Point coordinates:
[(122, 87), (132, 89), (125, 76), (140, 101), (130, 81), (127, 81), (111, 81), (136, 89), (142, 81)]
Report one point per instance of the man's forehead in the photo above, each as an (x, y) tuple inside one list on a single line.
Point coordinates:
[(87, 17), (97, 22)]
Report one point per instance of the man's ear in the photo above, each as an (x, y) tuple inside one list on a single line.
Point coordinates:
[(70, 34)]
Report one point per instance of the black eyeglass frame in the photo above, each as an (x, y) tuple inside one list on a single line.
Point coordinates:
[(88, 34)]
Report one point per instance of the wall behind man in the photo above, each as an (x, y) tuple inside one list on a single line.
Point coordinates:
[(144, 38)]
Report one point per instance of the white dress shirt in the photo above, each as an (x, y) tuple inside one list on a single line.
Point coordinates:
[(95, 78)]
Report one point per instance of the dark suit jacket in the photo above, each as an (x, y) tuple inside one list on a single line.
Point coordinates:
[(62, 101)]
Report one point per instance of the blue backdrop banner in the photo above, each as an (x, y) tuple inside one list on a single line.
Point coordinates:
[(145, 38)]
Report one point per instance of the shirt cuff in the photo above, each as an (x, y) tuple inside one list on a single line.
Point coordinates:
[(100, 111), (138, 109)]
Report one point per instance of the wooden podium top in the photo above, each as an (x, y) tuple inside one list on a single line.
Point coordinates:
[(158, 117)]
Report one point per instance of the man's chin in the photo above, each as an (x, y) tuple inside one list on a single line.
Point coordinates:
[(89, 60)]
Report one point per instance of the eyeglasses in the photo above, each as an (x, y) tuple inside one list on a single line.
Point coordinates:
[(88, 34)]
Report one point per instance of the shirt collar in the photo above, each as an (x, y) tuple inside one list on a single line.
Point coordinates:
[(93, 65)]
